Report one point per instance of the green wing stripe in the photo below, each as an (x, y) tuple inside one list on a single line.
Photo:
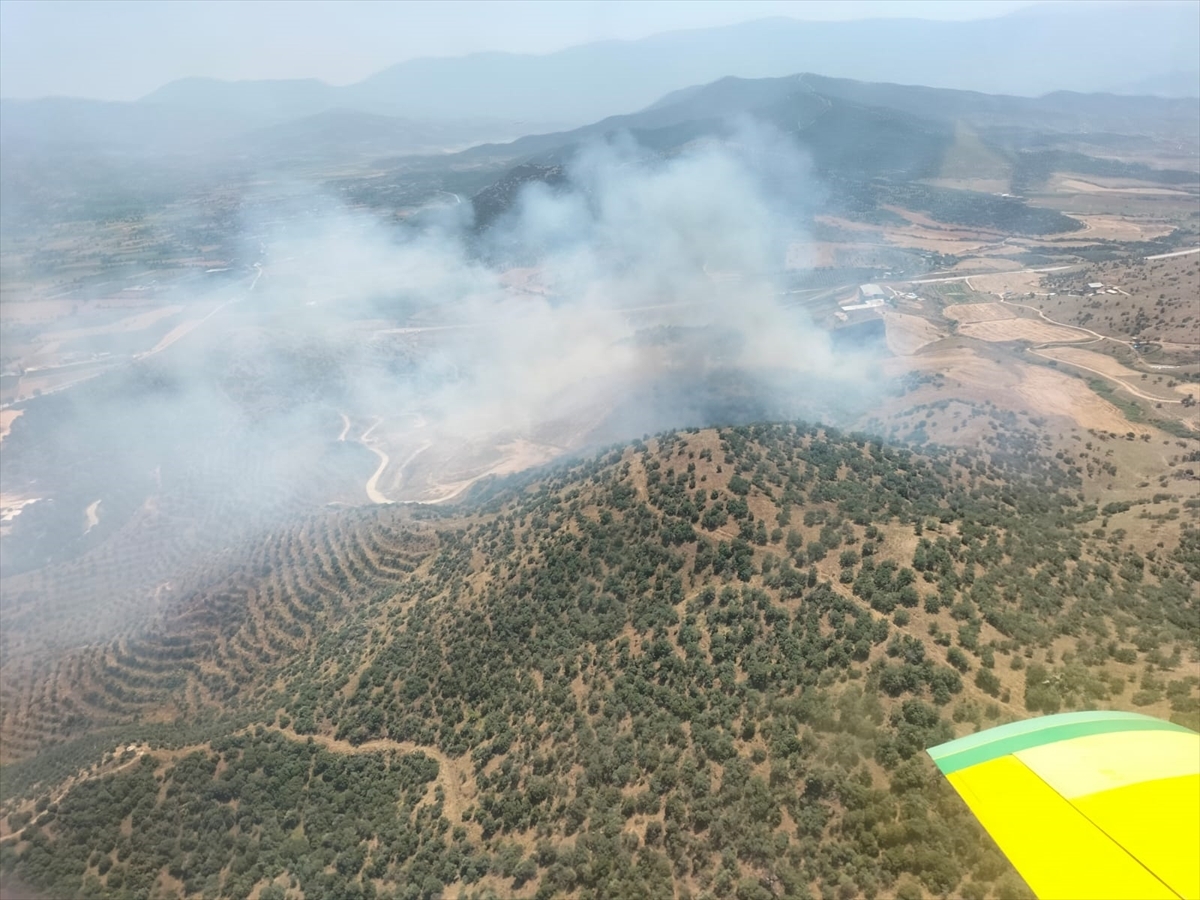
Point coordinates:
[(1027, 725), (1006, 739)]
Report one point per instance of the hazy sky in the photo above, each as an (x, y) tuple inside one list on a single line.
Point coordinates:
[(123, 49)]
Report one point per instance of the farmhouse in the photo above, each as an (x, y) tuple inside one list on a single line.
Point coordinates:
[(871, 292)]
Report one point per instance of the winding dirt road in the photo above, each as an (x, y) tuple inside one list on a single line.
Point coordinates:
[(373, 493), (456, 777)]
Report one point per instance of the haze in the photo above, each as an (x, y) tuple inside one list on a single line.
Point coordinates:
[(598, 466), (124, 50)]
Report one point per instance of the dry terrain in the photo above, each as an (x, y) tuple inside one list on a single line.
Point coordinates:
[(1145, 300), (906, 334), (1014, 329), (7, 417)]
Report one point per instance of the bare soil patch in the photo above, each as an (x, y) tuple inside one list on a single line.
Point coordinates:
[(1007, 282), (11, 506), (516, 456), (91, 516), (7, 417)]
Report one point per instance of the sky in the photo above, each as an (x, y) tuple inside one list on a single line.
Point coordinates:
[(122, 50)]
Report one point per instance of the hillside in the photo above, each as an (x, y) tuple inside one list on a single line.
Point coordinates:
[(953, 155), (704, 664)]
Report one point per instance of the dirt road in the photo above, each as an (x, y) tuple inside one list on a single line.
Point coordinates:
[(456, 777), (1176, 253), (373, 493)]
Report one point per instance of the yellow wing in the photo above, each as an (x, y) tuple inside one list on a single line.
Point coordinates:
[(1087, 806)]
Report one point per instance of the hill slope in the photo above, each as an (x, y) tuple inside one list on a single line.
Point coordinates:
[(704, 663)]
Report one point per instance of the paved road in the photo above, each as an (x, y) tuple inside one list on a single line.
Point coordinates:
[(981, 274)]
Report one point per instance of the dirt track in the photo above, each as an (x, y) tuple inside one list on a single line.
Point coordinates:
[(456, 777), (1099, 364), (372, 486)]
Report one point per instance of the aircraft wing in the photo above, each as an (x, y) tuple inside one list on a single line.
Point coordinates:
[(1099, 805)]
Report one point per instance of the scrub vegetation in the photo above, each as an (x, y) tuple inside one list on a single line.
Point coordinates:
[(702, 665)]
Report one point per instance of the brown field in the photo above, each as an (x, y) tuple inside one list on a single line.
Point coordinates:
[(7, 417), (1032, 330), (50, 380), (908, 334), (1104, 365), (1057, 394), (1074, 184), (1122, 228), (1137, 383), (1090, 359), (136, 322), (31, 311), (960, 364), (1018, 386), (1007, 282), (972, 313)]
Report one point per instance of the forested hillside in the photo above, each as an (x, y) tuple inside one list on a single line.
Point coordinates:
[(702, 665)]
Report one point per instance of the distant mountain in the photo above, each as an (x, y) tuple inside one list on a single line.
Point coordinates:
[(843, 122), (1075, 46), (1072, 47), (880, 143), (1170, 84), (262, 101), (342, 133), (61, 126)]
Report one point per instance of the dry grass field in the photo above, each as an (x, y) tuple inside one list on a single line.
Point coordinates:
[(1013, 329), (1054, 393), (972, 313), (1139, 383), (907, 334)]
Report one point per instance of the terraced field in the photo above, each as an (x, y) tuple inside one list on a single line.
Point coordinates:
[(208, 643)]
